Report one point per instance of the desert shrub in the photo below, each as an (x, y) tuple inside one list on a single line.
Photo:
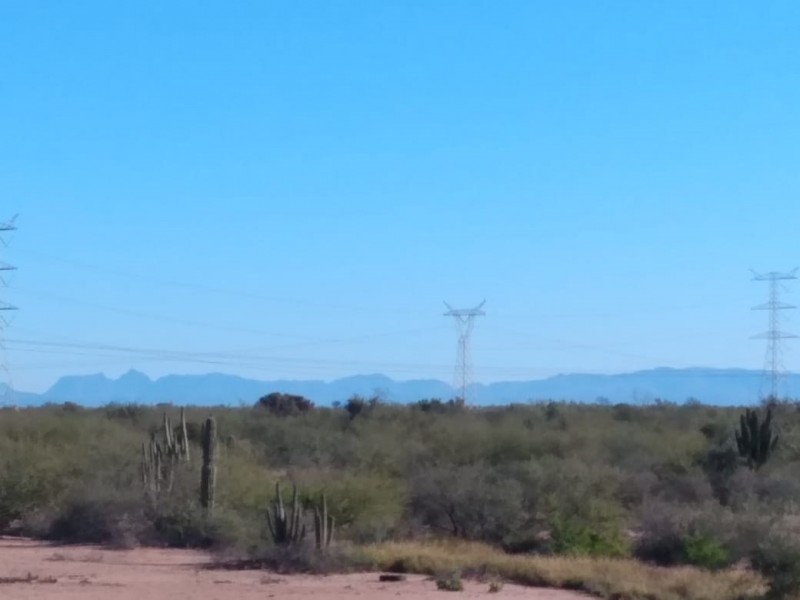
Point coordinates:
[(435, 405), (778, 560), (716, 432), (300, 442), (450, 582), (683, 488), (720, 464), (662, 529), (672, 534), (664, 548), (367, 508), (20, 495), (302, 558), (243, 485), (581, 510), (357, 406), (114, 521), (472, 502), (777, 489), (458, 440), (624, 412), (31, 477), (133, 413), (184, 526), (635, 487)]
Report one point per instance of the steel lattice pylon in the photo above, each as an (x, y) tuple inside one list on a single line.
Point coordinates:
[(465, 322), (5, 228), (773, 367)]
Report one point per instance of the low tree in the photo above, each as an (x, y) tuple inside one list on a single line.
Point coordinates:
[(284, 405)]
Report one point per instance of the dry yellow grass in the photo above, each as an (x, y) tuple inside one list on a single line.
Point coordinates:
[(607, 578)]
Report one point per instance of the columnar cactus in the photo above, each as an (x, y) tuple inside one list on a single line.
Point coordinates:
[(755, 440), (323, 525), (176, 445), (208, 472), (151, 467), (184, 443), (160, 458), (286, 529)]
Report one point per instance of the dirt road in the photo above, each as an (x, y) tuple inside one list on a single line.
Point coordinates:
[(92, 573)]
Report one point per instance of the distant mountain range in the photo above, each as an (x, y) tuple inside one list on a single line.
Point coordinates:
[(710, 386)]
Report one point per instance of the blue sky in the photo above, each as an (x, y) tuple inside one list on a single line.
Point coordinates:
[(291, 189)]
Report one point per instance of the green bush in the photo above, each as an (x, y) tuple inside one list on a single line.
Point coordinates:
[(575, 537), (31, 478), (184, 527), (705, 552)]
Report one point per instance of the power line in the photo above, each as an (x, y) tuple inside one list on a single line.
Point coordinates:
[(180, 356), (290, 300)]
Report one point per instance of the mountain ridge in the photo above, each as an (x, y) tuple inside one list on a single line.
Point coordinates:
[(710, 386)]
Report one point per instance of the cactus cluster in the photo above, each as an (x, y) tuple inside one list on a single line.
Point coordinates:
[(160, 457), (287, 527), (208, 472), (754, 439)]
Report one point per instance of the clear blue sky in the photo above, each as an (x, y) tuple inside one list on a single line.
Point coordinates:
[(290, 189)]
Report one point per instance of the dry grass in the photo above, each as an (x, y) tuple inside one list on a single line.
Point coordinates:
[(607, 578)]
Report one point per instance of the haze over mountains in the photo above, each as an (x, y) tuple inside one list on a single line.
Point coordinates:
[(710, 386)]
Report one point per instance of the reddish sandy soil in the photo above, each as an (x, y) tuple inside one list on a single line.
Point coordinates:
[(92, 573)]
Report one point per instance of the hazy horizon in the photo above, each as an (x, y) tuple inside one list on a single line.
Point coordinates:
[(119, 375)]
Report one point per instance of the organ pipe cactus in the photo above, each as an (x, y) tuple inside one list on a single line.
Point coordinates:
[(184, 437), (160, 457), (755, 440), (176, 444), (151, 467), (208, 472), (323, 525), (286, 528)]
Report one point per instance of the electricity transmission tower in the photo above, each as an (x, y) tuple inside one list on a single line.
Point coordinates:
[(465, 322), (5, 228), (773, 368)]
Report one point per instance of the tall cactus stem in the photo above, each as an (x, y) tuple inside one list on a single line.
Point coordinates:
[(208, 472), (184, 437), (323, 525)]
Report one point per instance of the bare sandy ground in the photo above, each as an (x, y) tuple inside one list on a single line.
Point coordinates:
[(92, 573)]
